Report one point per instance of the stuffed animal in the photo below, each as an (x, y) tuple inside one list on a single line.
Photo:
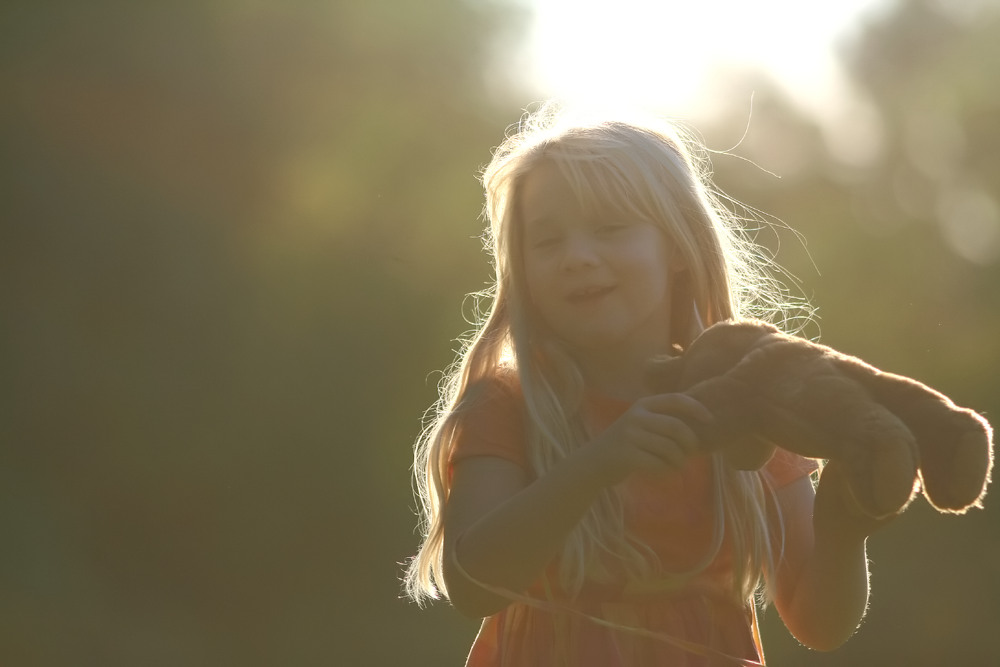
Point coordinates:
[(892, 434)]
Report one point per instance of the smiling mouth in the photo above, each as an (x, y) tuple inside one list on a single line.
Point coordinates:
[(587, 294)]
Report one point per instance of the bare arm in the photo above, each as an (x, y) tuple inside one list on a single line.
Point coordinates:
[(504, 529), (822, 581)]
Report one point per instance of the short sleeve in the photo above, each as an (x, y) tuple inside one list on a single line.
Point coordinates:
[(786, 467), (492, 423)]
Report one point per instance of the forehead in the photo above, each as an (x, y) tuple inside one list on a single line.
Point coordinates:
[(546, 195)]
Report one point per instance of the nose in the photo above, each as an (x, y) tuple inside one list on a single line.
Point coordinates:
[(578, 252)]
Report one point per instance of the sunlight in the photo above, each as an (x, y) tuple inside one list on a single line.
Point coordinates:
[(674, 55)]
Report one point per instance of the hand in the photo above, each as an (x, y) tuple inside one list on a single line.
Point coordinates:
[(654, 433)]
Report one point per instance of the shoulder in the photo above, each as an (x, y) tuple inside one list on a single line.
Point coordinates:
[(490, 419), (502, 386)]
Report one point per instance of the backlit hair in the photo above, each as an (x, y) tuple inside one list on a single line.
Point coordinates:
[(647, 171)]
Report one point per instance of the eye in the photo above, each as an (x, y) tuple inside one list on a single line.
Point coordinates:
[(609, 228), (544, 242)]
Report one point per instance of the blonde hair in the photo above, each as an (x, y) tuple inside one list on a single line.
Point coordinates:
[(650, 171)]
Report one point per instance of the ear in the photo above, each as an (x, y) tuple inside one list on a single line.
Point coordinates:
[(678, 262)]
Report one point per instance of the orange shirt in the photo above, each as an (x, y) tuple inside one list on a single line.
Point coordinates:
[(673, 513)]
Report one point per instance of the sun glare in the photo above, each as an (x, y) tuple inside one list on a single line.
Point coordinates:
[(673, 56)]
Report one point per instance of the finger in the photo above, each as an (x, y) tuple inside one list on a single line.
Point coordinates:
[(680, 405), (671, 428), (664, 451)]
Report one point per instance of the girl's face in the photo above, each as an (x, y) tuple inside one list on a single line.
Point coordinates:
[(599, 282)]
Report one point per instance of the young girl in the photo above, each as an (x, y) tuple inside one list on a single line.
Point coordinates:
[(561, 501)]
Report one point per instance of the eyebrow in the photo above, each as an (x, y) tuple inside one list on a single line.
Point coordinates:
[(540, 224)]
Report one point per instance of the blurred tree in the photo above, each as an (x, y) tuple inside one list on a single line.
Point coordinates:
[(221, 223), (907, 246)]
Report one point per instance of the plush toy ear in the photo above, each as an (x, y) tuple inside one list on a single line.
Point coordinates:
[(956, 449), (713, 353), (955, 444), (722, 346)]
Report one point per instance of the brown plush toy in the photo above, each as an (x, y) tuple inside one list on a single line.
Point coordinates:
[(767, 388)]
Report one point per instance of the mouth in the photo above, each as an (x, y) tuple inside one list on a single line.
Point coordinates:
[(588, 294)]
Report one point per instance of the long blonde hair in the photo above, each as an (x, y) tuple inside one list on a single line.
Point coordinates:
[(648, 171)]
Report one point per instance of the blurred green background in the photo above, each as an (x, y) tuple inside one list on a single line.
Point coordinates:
[(235, 239)]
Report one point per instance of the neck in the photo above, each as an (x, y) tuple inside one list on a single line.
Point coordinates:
[(619, 373)]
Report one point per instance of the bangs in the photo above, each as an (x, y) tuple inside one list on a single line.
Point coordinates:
[(602, 186)]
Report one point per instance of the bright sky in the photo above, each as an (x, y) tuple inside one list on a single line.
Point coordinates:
[(670, 57), (660, 53)]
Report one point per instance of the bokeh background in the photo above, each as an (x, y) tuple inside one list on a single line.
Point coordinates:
[(235, 240)]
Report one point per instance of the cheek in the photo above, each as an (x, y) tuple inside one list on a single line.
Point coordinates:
[(649, 265), (537, 278), (536, 302), (652, 288), (531, 281)]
